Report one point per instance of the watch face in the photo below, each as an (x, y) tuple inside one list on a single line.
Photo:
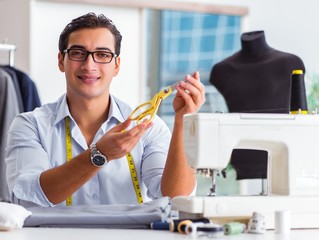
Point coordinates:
[(98, 160)]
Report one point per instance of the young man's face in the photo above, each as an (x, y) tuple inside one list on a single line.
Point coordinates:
[(89, 79)]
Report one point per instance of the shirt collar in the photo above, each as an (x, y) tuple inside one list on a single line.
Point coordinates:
[(114, 112), (63, 109)]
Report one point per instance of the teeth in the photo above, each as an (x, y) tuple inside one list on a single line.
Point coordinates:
[(88, 79)]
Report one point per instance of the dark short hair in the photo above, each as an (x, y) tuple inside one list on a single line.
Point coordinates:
[(90, 20)]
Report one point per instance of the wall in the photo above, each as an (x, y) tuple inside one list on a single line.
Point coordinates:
[(289, 27), (37, 47), (15, 28)]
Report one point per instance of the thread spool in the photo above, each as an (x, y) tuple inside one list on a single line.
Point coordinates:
[(282, 222), (298, 99), (159, 225), (234, 228), (208, 229), (174, 223), (191, 229), (182, 225), (257, 224)]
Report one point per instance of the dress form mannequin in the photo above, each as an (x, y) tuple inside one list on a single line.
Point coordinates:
[(257, 78)]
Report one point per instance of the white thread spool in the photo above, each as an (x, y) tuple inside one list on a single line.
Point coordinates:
[(257, 224), (282, 222), (191, 229)]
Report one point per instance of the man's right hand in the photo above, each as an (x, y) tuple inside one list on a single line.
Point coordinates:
[(117, 142)]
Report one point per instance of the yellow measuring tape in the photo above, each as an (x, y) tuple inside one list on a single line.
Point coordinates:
[(68, 141), (129, 158), (134, 177)]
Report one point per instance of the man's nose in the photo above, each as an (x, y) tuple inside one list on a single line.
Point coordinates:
[(89, 61)]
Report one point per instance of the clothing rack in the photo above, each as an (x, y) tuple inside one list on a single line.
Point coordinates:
[(11, 48)]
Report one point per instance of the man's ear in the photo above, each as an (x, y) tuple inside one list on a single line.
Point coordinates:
[(61, 61), (117, 66)]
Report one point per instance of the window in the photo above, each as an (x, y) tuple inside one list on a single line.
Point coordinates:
[(186, 42)]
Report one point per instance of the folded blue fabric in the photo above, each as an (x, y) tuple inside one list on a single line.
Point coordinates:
[(101, 216)]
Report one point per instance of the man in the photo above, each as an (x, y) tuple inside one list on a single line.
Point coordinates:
[(75, 150)]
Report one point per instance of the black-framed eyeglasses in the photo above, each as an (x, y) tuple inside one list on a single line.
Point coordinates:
[(80, 55)]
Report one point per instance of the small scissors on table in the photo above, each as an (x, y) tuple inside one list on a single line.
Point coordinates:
[(148, 110)]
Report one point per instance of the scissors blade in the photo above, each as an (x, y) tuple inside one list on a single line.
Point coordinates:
[(173, 86), (168, 90)]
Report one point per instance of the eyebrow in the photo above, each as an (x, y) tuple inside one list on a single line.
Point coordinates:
[(98, 48)]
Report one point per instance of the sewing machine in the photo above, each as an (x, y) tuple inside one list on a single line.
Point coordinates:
[(289, 160)]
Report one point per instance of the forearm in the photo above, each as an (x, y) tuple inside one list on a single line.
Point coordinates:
[(61, 182), (178, 177)]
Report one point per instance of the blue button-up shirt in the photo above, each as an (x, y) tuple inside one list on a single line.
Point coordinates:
[(37, 142)]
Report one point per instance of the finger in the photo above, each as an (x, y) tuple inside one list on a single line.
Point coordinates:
[(122, 126), (193, 95), (196, 75), (185, 94), (123, 141), (195, 81), (130, 137), (195, 89), (138, 130)]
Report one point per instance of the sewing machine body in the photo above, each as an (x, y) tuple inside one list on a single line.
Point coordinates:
[(292, 143)]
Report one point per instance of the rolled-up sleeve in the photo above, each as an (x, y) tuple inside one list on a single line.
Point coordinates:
[(26, 159), (154, 157)]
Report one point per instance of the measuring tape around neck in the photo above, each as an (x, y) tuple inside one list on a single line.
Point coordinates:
[(68, 141), (129, 158), (134, 177)]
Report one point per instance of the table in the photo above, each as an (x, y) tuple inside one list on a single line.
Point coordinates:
[(139, 234)]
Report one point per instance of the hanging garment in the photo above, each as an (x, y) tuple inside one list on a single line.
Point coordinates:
[(27, 89), (9, 108), (16, 84)]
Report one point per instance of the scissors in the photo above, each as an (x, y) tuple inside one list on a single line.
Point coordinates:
[(148, 110)]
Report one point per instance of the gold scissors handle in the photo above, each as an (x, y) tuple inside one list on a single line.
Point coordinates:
[(148, 110)]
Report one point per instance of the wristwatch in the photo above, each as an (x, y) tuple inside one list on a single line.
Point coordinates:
[(97, 158)]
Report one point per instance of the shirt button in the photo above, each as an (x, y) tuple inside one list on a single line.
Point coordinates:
[(94, 196)]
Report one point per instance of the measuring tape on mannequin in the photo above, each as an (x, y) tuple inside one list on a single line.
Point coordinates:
[(129, 158)]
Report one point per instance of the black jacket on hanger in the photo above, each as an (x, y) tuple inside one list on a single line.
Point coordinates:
[(27, 89)]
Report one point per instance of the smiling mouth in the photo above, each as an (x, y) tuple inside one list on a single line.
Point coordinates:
[(88, 79)]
